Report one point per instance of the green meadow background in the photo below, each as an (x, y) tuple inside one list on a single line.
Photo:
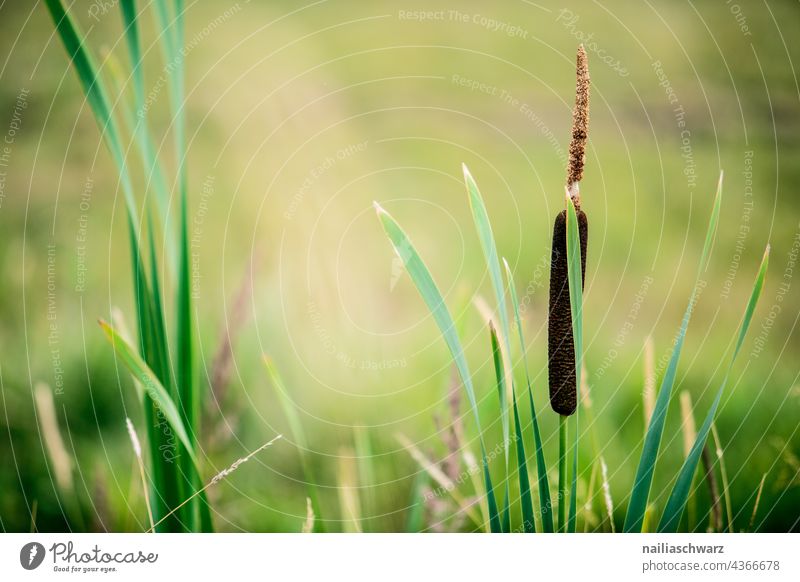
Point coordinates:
[(299, 116)]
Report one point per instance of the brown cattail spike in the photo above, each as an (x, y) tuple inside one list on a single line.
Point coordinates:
[(560, 343), (580, 128)]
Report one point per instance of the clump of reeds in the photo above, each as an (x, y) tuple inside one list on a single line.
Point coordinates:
[(561, 348)]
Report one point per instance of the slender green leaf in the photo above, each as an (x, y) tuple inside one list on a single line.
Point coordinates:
[(433, 299), (138, 123), (499, 372), (526, 500), (484, 228), (680, 492), (145, 376), (545, 503), (528, 522), (652, 442), (575, 278), (96, 94)]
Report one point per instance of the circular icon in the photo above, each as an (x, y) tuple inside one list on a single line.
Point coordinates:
[(31, 555)]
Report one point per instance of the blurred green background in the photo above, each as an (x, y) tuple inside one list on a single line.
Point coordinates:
[(298, 117)]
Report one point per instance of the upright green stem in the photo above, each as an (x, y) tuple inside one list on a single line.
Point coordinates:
[(562, 473)]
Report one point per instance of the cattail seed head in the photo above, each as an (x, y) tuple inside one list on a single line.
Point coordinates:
[(580, 127)]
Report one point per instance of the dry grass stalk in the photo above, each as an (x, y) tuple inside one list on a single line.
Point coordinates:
[(348, 491), (59, 457), (723, 471), (219, 477), (439, 477), (137, 451), (687, 423), (607, 493), (308, 524), (715, 523), (758, 500)]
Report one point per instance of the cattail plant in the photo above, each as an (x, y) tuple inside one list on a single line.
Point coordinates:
[(561, 345), (561, 354), (565, 344)]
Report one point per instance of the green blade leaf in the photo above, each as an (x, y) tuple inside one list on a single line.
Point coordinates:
[(545, 503), (145, 376), (575, 278), (526, 500), (680, 491), (499, 372), (96, 94), (433, 299), (138, 123), (484, 228), (652, 442)]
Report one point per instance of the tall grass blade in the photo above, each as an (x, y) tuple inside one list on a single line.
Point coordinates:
[(505, 522), (95, 92), (484, 228), (545, 503), (575, 276), (138, 122), (528, 522), (680, 492), (433, 299), (652, 442), (526, 500)]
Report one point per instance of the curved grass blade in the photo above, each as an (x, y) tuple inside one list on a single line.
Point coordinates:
[(150, 383), (433, 299), (484, 229), (652, 442), (96, 94), (680, 492), (545, 503)]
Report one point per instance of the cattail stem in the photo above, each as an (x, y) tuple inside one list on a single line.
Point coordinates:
[(562, 473)]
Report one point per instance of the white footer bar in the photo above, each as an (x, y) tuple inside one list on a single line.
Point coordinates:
[(402, 557)]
